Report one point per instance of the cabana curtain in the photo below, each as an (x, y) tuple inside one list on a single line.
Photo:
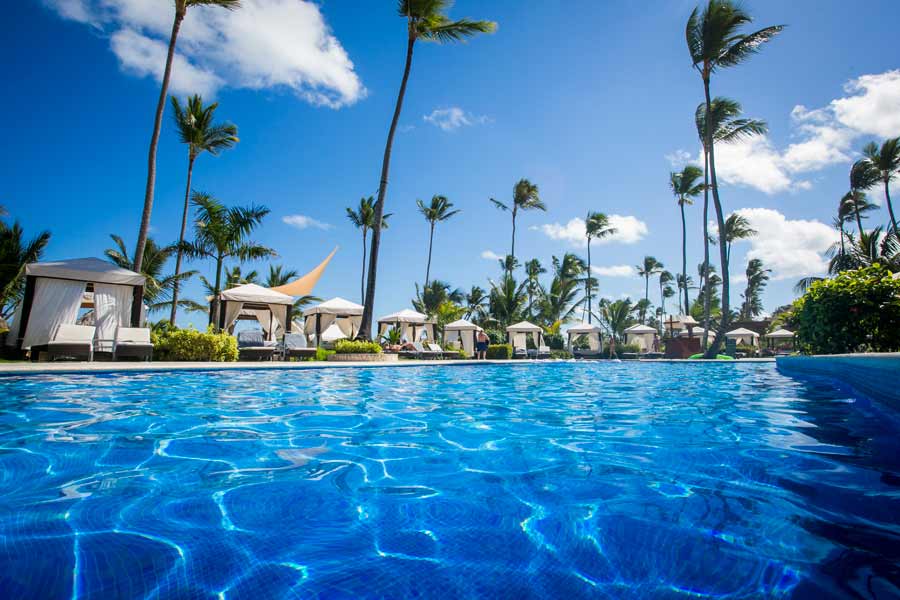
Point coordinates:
[(232, 312), (112, 308), (56, 301)]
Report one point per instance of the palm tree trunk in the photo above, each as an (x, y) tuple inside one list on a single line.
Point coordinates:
[(713, 350), (362, 276), (512, 251), (859, 226), (587, 281), (704, 278), (365, 329), (430, 243), (646, 297), (154, 143), (684, 256), (842, 241), (214, 310), (887, 196), (178, 256)]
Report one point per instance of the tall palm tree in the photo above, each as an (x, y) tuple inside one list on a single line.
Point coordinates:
[(685, 186), (525, 197), (158, 288), (437, 211), (862, 177), (196, 129), (648, 269), (364, 219), (596, 226), (665, 278), (221, 233), (737, 227), (426, 21), (714, 41), (438, 292), (757, 278), (15, 253), (617, 317), (727, 126), (533, 271), (884, 164), (279, 275), (181, 8), (476, 302), (507, 300), (559, 303)]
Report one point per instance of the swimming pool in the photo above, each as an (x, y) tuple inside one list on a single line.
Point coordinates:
[(560, 480)]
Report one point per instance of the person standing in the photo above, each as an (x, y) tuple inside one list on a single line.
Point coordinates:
[(481, 345)]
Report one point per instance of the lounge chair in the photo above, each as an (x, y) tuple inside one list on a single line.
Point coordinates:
[(72, 341), (132, 342), (543, 352), (251, 346), (425, 353), (295, 345), (520, 353), (441, 353)]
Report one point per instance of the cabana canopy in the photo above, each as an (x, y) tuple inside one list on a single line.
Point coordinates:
[(743, 336), (55, 290), (250, 301), (696, 332), (410, 323), (780, 334), (592, 332), (518, 334), (642, 335), (345, 314)]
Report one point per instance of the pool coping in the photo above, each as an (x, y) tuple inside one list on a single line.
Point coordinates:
[(27, 368)]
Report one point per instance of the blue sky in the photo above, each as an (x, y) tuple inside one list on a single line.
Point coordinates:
[(594, 104)]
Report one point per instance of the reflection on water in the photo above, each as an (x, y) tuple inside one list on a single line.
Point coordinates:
[(555, 481)]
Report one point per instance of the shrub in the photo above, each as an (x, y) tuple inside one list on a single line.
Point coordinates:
[(499, 351), (192, 345), (857, 311), (496, 336), (560, 354), (321, 355), (555, 341), (356, 347)]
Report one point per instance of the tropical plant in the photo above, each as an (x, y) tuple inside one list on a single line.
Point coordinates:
[(596, 226), (158, 288), (616, 317), (507, 300), (737, 227), (220, 233), (685, 186), (856, 311), (196, 129), (757, 278), (883, 164), (392, 337), (181, 8), (533, 272), (425, 20), (363, 218), (171, 343), (15, 253), (447, 312), (560, 302), (279, 275), (648, 269), (499, 352), (665, 291), (714, 41), (436, 212), (476, 304), (525, 197), (429, 298), (356, 347)]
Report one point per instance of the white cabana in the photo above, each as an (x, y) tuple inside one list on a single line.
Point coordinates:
[(517, 334), (642, 335), (462, 332), (55, 291), (697, 332), (250, 301), (345, 314), (743, 336), (780, 337), (591, 332), (412, 325), (333, 333)]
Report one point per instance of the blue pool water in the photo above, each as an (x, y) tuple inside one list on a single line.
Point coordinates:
[(563, 480)]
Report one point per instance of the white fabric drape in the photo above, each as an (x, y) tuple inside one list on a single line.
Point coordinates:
[(56, 301), (112, 309), (519, 340), (232, 312), (13, 333), (279, 314)]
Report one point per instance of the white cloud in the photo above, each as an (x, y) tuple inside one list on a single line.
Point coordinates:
[(628, 231), (490, 255), (679, 158), (614, 271), (826, 136), (791, 248), (452, 118), (304, 222), (264, 44)]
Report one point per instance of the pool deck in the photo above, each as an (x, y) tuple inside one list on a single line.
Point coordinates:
[(29, 368)]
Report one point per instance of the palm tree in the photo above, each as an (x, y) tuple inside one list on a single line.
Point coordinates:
[(428, 299), (437, 211), (726, 126), (596, 226), (476, 301), (617, 317), (665, 278), (737, 227), (685, 187), (648, 269), (525, 197), (561, 300), (757, 278), (714, 41), (884, 164), (15, 253), (158, 288), (278, 275), (425, 20), (533, 271), (234, 276), (197, 130), (364, 219), (507, 300), (221, 233), (181, 8)]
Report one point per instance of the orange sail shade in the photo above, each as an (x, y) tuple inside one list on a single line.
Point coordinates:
[(304, 285)]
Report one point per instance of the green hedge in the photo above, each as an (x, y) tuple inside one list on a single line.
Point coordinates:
[(560, 354), (499, 351), (192, 345), (857, 311), (356, 347)]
